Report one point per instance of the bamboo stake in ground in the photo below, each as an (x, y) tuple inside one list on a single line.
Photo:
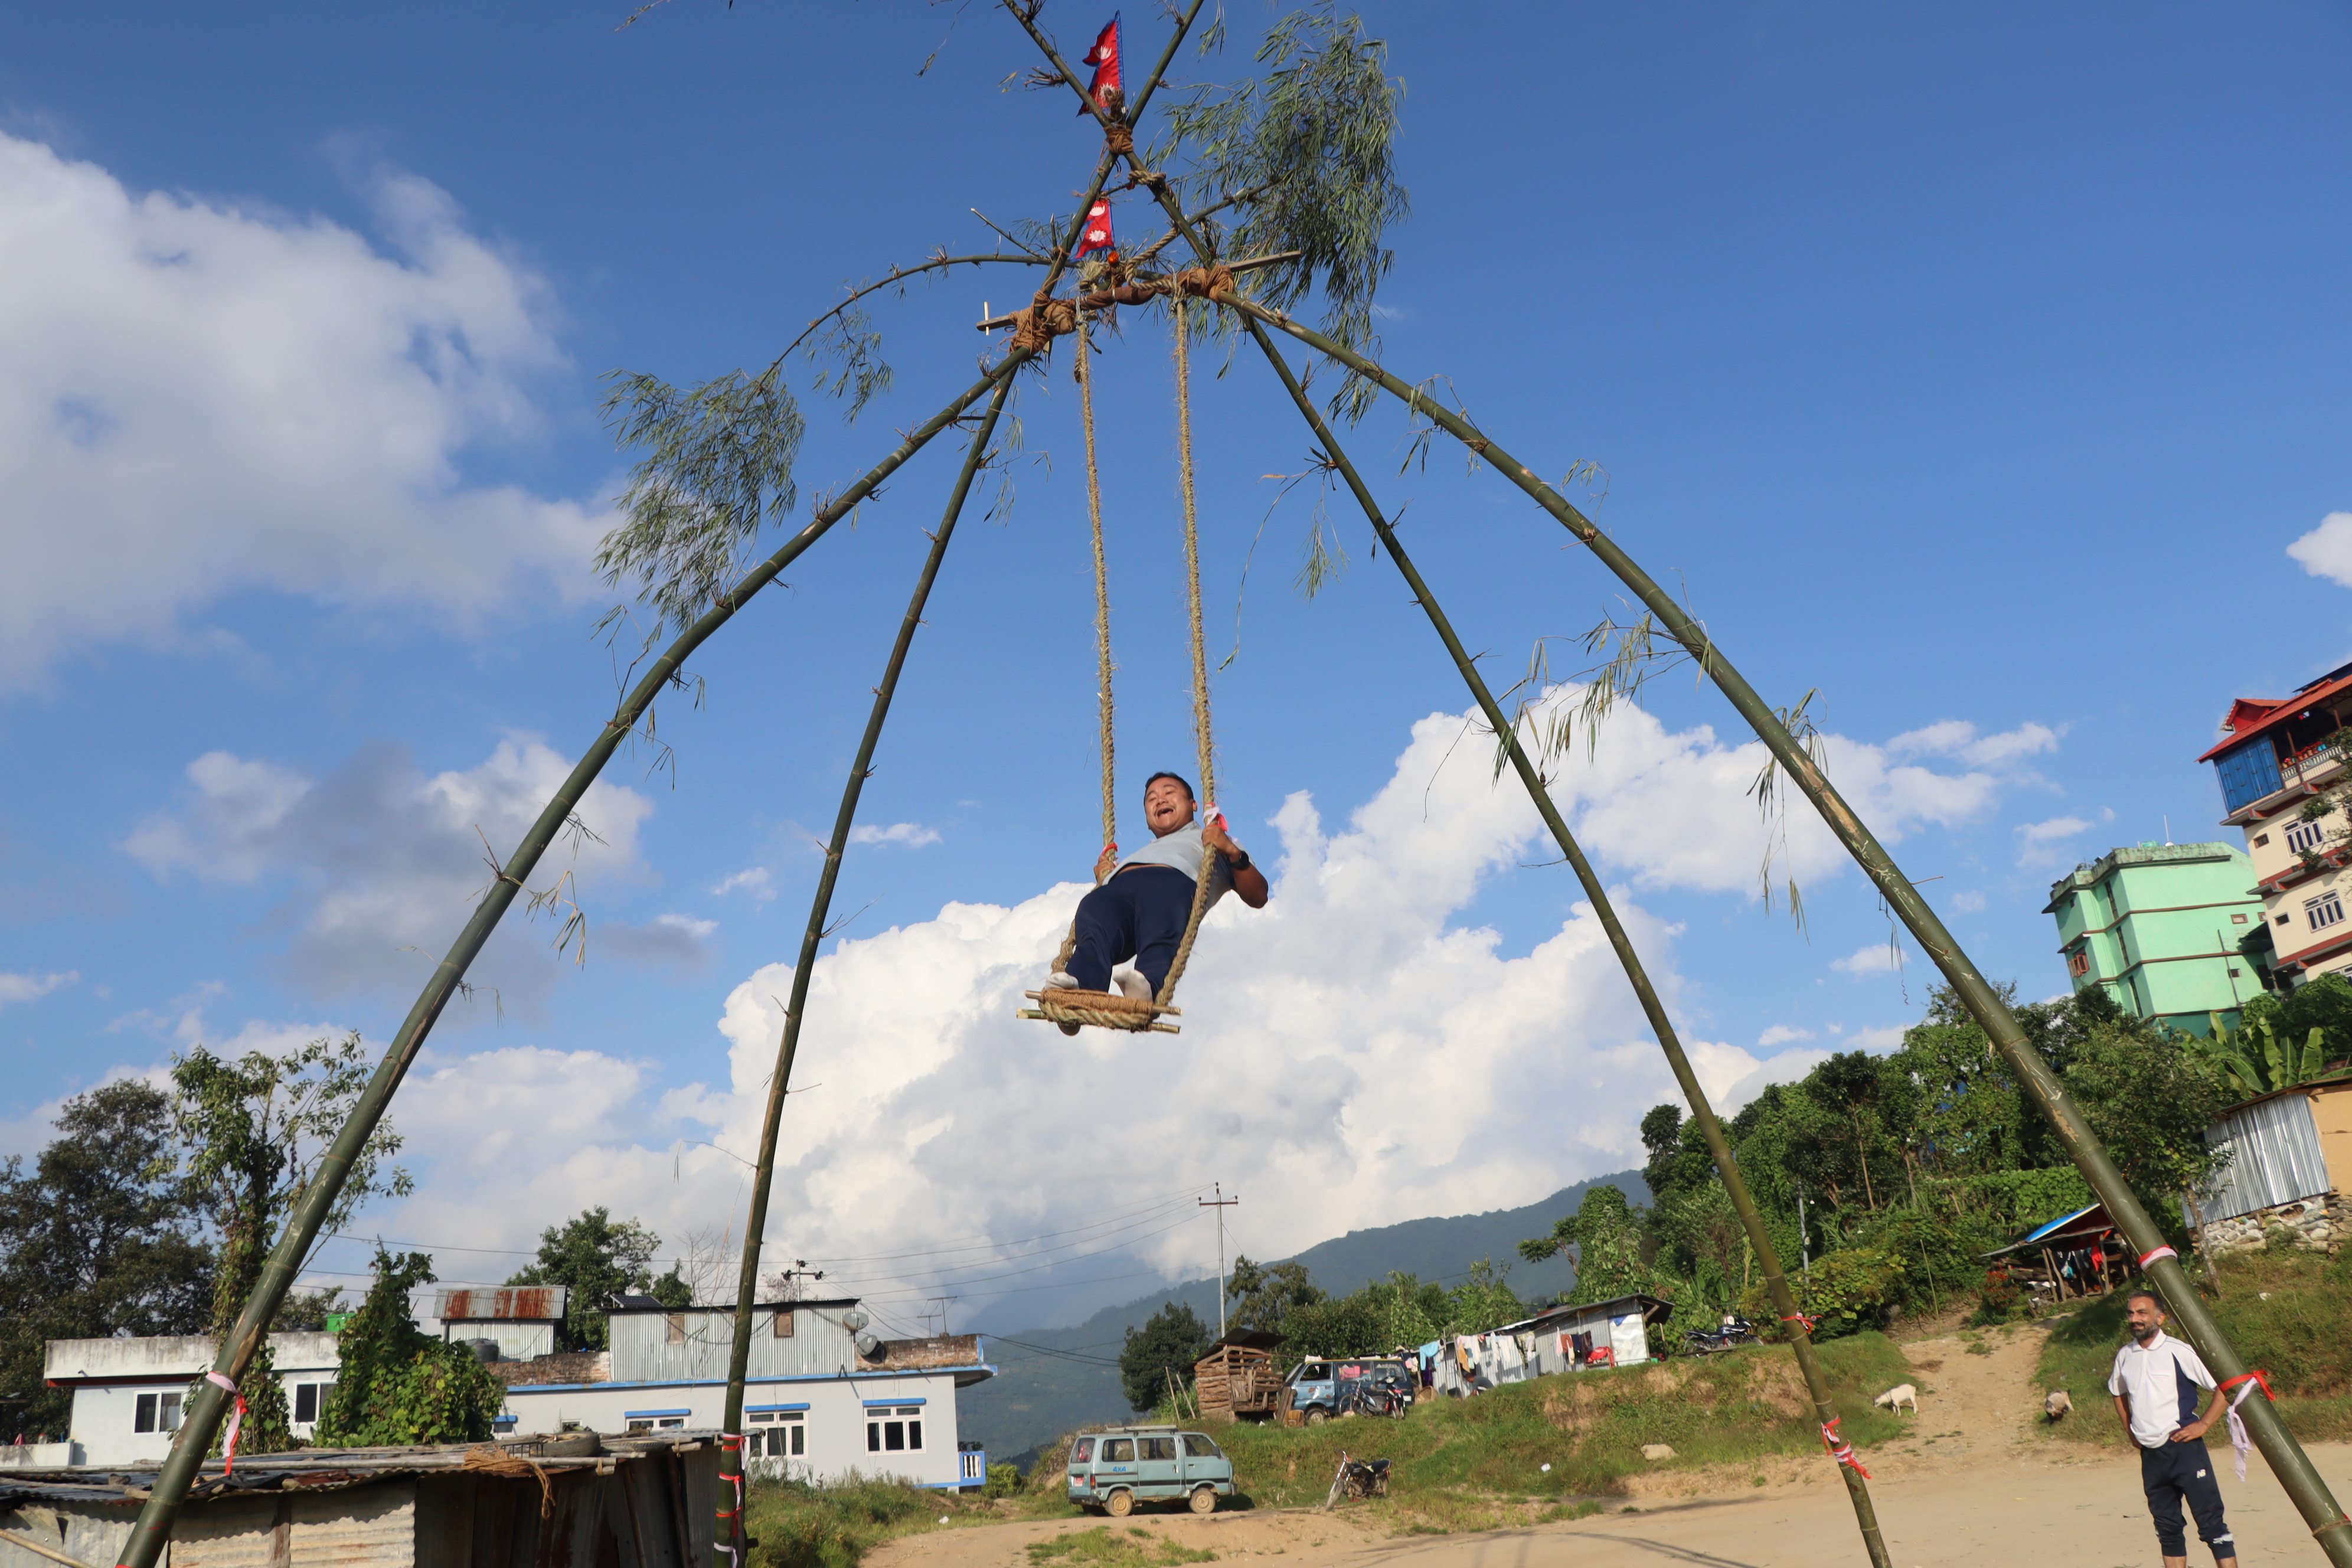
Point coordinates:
[(788, 1045), (203, 1418), (1776, 1283), (2288, 1461)]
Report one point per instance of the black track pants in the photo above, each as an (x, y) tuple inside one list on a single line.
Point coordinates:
[(2178, 1472), (1140, 913)]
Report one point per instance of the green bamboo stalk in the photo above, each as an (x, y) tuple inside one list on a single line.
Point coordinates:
[(730, 1458), (2288, 1461), (1776, 1283), (202, 1422)]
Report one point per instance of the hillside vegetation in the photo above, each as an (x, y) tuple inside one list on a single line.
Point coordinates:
[(2285, 1310)]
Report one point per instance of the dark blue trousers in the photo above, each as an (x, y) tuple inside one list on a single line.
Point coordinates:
[(1140, 914), (2174, 1473)]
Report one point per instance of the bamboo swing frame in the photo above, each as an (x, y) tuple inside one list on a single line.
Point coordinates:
[(201, 1422)]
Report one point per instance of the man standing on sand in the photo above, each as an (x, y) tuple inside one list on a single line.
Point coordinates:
[(2156, 1383)]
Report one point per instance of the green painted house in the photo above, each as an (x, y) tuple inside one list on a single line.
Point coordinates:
[(2160, 925)]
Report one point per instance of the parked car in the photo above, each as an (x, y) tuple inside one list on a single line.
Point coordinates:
[(1314, 1390), (1322, 1387), (1117, 1470)]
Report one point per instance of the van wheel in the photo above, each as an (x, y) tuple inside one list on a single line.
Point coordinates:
[(1204, 1500), (1317, 1416), (1119, 1504)]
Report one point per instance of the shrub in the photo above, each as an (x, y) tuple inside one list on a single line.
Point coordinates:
[(1852, 1288)]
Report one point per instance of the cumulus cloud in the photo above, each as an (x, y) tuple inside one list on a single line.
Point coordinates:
[(381, 864), (1780, 1035), (908, 835), (33, 988), (1958, 737), (1354, 1047), (2326, 551), (198, 397), (2049, 844), (1878, 958), (1883, 1038)]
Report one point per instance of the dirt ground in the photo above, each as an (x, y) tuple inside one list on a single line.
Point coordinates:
[(1976, 1482)]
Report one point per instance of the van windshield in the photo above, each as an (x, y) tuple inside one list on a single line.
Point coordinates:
[(1314, 1372)]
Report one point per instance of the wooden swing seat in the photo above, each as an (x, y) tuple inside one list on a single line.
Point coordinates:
[(1101, 1010)]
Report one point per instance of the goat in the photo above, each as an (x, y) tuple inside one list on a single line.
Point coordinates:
[(2055, 1404), (1901, 1394)]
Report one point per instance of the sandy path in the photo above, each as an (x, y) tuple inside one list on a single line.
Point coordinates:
[(1975, 1482)]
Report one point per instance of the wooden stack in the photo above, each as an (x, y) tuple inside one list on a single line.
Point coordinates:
[(1238, 1377)]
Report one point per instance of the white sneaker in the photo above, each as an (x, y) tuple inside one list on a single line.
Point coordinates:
[(1061, 981), (1132, 984)]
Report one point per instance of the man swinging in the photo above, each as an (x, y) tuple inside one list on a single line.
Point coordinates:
[(1144, 902)]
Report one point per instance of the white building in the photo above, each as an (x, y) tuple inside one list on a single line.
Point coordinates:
[(825, 1399), (128, 1393), (522, 1320)]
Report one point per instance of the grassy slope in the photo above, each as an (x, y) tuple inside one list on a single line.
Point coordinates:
[(1460, 1463), (2290, 1315)]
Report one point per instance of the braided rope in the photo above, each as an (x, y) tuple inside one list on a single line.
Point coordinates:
[(1212, 865), (1102, 629)]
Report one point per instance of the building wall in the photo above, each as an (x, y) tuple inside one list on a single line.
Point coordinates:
[(693, 1346), (833, 1413), (105, 1415), (2331, 1112), (516, 1342), (2158, 926)]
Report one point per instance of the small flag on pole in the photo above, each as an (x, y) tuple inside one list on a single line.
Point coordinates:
[(1105, 88), (1095, 237)]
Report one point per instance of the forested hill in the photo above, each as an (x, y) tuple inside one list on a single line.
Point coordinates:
[(1052, 1380)]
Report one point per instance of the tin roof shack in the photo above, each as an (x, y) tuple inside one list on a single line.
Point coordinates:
[(1238, 1377), (2077, 1254), (2285, 1149), (578, 1502), (127, 1391), (823, 1397), (519, 1321)]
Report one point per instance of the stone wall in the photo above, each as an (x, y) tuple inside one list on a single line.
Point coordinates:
[(2322, 1223)]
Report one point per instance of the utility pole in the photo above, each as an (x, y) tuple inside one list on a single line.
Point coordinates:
[(941, 1304), (1221, 1203)]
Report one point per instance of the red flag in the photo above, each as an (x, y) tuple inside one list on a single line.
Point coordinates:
[(1104, 87), (1096, 236)]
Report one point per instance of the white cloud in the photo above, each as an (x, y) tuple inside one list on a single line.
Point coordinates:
[(382, 864), (1968, 904), (198, 397), (1878, 958), (1958, 737), (755, 880), (2048, 844), (911, 834), (32, 987), (1884, 1039), (2326, 551), (1780, 1035)]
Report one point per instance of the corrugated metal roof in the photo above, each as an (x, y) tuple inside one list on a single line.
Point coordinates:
[(508, 1303)]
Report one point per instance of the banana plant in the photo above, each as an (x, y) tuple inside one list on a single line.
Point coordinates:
[(2257, 1061)]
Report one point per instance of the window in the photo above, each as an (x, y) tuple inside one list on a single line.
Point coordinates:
[(778, 1435), (784, 1325), (894, 1430), (1082, 1452), (2247, 773), (1202, 1447), (2079, 962), (2237, 920), (1156, 1448), (2305, 838), (656, 1420), (1119, 1449), (156, 1413), (309, 1398), (2324, 911), (2261, 840), (2282, 920), (676, 1325)]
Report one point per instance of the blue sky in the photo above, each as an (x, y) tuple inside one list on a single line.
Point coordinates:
[(1976, 368)]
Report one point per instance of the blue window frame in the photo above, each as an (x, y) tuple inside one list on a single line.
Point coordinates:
[(2247, 772)]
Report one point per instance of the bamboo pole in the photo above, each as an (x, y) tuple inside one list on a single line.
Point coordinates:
[(2287, 1460), (730, 1453), (202, 1422), (1784, 1301)]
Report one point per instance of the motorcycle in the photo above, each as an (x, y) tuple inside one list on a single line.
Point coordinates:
[(1734, 1332), (1359, 1478)]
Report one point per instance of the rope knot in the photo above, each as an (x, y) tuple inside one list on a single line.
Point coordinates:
[(1037, 325), (1118, 139), (1200, 282)]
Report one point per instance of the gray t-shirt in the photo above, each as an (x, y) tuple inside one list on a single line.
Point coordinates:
[(1181, 850)]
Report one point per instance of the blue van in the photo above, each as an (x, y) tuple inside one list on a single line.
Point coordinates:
[(1115, 1469)]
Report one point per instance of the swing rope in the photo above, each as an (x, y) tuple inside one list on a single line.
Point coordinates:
[(1101, 1009)]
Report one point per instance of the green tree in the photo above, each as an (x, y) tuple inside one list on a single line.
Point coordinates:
[(1168, 1345), (398, 1384), (1608, 1241), (1262, 1295), (596, 1257), (252, 1132), (2149, 1097), (98, 1237)]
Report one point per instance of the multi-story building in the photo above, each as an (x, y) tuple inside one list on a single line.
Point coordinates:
[(2161, 927), (2275, 766)]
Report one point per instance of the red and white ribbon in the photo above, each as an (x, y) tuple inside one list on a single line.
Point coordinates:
[(236, 1418), (1840, 1450), (2147, 1257), (2245, 1383), (1807, 1318)]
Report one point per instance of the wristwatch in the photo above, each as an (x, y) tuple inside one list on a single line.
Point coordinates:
[(1241, 865)]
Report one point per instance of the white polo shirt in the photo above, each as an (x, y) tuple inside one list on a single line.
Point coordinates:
[(1180, 850), (2163, 1379)]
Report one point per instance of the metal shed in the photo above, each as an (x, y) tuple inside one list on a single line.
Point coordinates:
[(575, 1502)]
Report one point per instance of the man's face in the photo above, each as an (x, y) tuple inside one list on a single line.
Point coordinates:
[(1166, 807), (2146, 1317)]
